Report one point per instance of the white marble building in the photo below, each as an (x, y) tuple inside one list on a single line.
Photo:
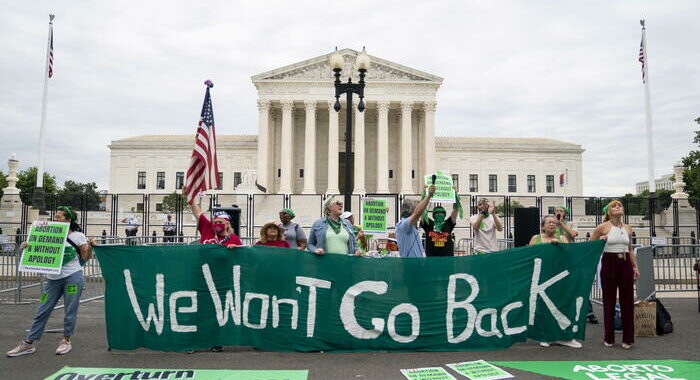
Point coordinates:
[(394, 145)]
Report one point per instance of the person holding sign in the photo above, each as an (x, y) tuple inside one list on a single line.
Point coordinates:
[(484, 225), (618, 270), (439, 240), (217, 232), (407, 235), (332, 233), (69, 284)]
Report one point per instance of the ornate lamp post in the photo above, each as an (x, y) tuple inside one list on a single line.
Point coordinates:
[(362, 63)]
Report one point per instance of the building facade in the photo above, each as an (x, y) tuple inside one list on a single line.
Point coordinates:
[(663, 183)]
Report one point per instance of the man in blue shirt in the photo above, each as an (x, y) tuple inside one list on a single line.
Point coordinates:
[(407, 235)]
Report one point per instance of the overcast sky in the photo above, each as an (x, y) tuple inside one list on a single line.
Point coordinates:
[(559, 69)]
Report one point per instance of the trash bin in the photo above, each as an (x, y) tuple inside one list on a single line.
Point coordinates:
[(234, 212)]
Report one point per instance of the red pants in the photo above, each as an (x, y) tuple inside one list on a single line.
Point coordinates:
[(616, 273)]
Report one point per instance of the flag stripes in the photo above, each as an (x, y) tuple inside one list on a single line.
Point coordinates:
[(202, 173)]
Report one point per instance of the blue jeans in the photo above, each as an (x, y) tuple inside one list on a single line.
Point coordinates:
[(70, 288)]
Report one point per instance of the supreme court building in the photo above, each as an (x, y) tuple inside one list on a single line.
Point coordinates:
[(300, 145)]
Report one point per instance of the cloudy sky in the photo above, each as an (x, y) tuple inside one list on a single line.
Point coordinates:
[(561, 69)]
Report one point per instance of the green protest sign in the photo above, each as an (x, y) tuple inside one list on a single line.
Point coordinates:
[(374, 215), (479, 370), (444, 192), (81, 373), (427, 373), (178, 298), (614, 369), (45, 246)]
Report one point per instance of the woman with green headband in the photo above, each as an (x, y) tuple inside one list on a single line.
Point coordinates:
[(293, 233), (67, 284)]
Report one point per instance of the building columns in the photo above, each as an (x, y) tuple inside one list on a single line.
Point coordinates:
[(263, 164), (406, 143), (383, 147), (359, 187), (332, 150), (310, 148), (287, 155), (429, 137)]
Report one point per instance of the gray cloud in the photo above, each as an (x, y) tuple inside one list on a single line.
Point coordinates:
[(566, 70)]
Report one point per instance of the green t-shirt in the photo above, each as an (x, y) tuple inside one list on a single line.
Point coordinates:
[(337, 243)]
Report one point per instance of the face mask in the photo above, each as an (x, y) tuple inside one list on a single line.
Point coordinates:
[(219, 228), (439, 221)]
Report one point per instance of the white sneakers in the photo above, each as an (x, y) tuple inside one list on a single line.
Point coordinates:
[(573, 343), (24, 348), (64, 347)]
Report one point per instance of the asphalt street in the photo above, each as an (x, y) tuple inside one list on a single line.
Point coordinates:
[(90, 350)]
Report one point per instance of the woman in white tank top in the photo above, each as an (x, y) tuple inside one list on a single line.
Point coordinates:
[(618, 272)]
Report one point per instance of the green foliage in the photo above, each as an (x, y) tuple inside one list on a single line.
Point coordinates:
[(3, 183), (170, 202), (80, 196), (500, 209), (691, 175), (639, 204), (27, 181)]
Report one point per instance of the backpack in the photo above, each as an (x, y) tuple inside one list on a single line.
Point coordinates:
[(663, 319)]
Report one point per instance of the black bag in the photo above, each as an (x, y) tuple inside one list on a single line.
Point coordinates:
[(663, 319)]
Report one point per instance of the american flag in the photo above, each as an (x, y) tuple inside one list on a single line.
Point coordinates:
[(641, 58), (202, 174), (50, 53)]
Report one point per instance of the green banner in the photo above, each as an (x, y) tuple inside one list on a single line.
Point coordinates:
[(197, 296), (444, 192), (374, 216), (81, 373), (45, 246), (616, 369)]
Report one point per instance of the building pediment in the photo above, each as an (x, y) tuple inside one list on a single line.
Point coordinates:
[(318, 70)]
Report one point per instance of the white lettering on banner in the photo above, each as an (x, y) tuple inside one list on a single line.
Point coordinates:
[(264, 305), (312, 283), (157, 318), (233, 301), (276, 302), (174, 325), (504, 319), (347, 309), (493, 313), (412, 311), (537, 289), (452, 305)]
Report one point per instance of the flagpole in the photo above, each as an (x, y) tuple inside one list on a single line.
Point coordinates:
[(39, 197), (650, 145)]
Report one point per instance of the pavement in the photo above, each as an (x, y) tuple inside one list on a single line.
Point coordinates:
[(90, 350)]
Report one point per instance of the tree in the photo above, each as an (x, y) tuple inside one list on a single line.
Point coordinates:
[(500, 209), (170, 202), (27, 181), (3, 183), (81, 196), (639, 204), (691, 175)]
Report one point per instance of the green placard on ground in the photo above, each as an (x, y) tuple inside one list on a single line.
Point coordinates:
[(428, 373), (614, 369), (480, 370), (44, 253), (74, 373), (374, 215), (444, 192)]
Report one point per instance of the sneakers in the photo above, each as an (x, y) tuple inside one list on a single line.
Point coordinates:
[(64, 347), (573, 343), (592, 319), (24, 348)]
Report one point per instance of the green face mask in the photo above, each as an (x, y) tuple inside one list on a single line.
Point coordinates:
[(439, 220)]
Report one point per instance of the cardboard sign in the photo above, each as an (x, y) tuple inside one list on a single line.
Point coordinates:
[(444, 192), (46, 244), (374, 216)]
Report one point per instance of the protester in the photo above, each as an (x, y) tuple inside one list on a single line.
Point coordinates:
[(293, 233), (218, 231), (549, 227), (618, 271), (484, 226), (360, 237), (272, 235), (68, 284), (169, 228), (439, 240), (332, 234), (132, 228), (407, 236)]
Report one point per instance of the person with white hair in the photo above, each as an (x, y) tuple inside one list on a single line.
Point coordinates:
[(332, 234), (407, 236), (360, 237)]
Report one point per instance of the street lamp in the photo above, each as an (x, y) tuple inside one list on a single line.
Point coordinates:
[(362, 63)]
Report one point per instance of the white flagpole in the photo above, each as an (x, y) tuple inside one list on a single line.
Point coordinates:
[(647, 106), (39, 201)]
